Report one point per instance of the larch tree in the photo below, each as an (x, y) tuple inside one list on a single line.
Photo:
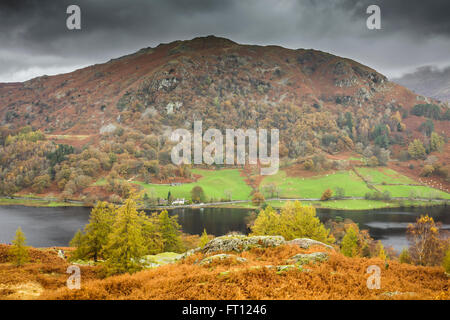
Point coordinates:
[(126, 243), (349, 245), (77, 239), (19, 250), (96, 232), (204, 239), (153, 238), (170, 231)]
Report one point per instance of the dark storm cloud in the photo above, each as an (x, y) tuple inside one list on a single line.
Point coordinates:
[(34, 39)]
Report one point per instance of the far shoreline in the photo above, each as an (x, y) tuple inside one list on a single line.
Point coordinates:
[(338, 205)]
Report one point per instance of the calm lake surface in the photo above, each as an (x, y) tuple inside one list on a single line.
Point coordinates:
[(47, 227)]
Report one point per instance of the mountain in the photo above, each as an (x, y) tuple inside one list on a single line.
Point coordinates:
[(63, 133), (226, 84), (428, 81)]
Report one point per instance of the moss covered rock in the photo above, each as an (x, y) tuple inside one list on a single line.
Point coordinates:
[(305, 258), (306, 243), (157, 260), (222, 256), (242, 243)]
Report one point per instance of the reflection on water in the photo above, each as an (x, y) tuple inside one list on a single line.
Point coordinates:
[(389, 225), (45, 227)]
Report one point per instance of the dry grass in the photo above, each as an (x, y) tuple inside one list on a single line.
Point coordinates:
[(45, 272), (339, 278)]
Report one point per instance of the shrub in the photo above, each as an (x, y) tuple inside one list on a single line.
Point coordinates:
[(387, 195), (446, 261), (372, 162), (258, 199), (308, 164), (327, 194), (404, 256), (436, 142), (380, 252), (377, 195), (427, 170), (427, 127), (413, 194), (416, 149), (198, 195), (340, 193)]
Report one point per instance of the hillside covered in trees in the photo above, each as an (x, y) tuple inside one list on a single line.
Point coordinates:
[(91, 132)]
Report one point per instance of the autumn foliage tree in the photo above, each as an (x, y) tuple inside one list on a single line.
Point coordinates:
[(416, 149), (426, 245), (352, 240), (197, 194), (436, 142), (293, 221)]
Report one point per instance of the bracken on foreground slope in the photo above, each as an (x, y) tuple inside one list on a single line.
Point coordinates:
[(262, 275)]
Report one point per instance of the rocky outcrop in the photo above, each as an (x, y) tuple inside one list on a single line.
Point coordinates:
[(222, 256), (306, 243), (305, 258), (157, 260), (242, 243), (108, 128), (190, 253)]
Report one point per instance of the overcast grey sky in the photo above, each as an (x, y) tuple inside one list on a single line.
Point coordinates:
[(34, 39)]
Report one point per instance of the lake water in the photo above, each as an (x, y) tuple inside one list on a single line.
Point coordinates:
[(46, 227)]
